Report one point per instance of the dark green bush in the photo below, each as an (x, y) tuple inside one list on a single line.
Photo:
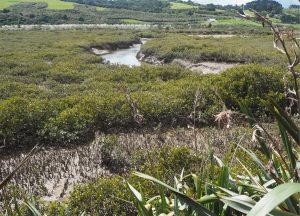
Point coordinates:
[(105, 197), (251, 85)]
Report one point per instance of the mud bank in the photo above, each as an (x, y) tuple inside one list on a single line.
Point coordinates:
[(110, 47), (205, 67)]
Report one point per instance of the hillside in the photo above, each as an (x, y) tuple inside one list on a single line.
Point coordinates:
[(26, 12)]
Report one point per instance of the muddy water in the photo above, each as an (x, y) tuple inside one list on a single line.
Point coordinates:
[(125, 56)]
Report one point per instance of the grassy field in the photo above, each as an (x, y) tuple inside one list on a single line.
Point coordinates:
[(100, 8), (237, 22), (52, 4), (181, 6), (133, 21)]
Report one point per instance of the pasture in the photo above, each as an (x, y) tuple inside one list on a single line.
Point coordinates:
[(52, 4), (181, 6)]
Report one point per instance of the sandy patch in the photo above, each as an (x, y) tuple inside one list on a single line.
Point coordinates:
[(99, 52), (212, 67), (204, 67)]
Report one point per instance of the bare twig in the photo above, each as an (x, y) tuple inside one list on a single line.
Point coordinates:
[(11, 175)]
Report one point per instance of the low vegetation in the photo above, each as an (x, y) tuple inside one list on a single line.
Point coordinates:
[(149, 140), (240, 49), (67, 94)]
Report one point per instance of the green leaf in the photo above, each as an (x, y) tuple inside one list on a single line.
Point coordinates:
[(257, 161), (197, 184), (16, 206), (32, 209), (286, 122), (248, 113), (223, 180), (163, 200), (183, 198), (288, 147), (252, 123), (244, 204), (140, 205), (238, 203), (274, 198)]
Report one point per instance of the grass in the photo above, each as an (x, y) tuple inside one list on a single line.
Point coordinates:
[(133, 21), (100, 8), (181, 6), (237, 22), (52, 4)]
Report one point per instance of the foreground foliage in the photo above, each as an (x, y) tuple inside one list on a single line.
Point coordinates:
[(274, 189)]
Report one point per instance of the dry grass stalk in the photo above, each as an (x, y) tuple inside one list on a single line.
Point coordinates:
[(224, 118), (196, 115), (137, 116)]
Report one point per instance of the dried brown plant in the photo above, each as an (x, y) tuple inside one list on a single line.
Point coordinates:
[(137, 116), (224, 118)]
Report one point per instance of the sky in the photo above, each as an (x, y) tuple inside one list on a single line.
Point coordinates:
[(285, 3)]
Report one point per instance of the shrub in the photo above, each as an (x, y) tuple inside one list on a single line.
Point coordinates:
[(111, 195), (251, 85), (106, 196)]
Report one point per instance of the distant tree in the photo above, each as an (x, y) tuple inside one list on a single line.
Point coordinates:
[(211, 7), (141, 5), (190, 13), (65, 17), (295, 7), (5, 10), (287, 18), (270, 6)]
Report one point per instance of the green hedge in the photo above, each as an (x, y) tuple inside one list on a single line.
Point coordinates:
[(73, 119), (251, 85)]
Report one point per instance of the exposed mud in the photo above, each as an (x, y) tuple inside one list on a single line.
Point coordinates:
[(99, 52), (149, 59), (53, 173), (205, 67)]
